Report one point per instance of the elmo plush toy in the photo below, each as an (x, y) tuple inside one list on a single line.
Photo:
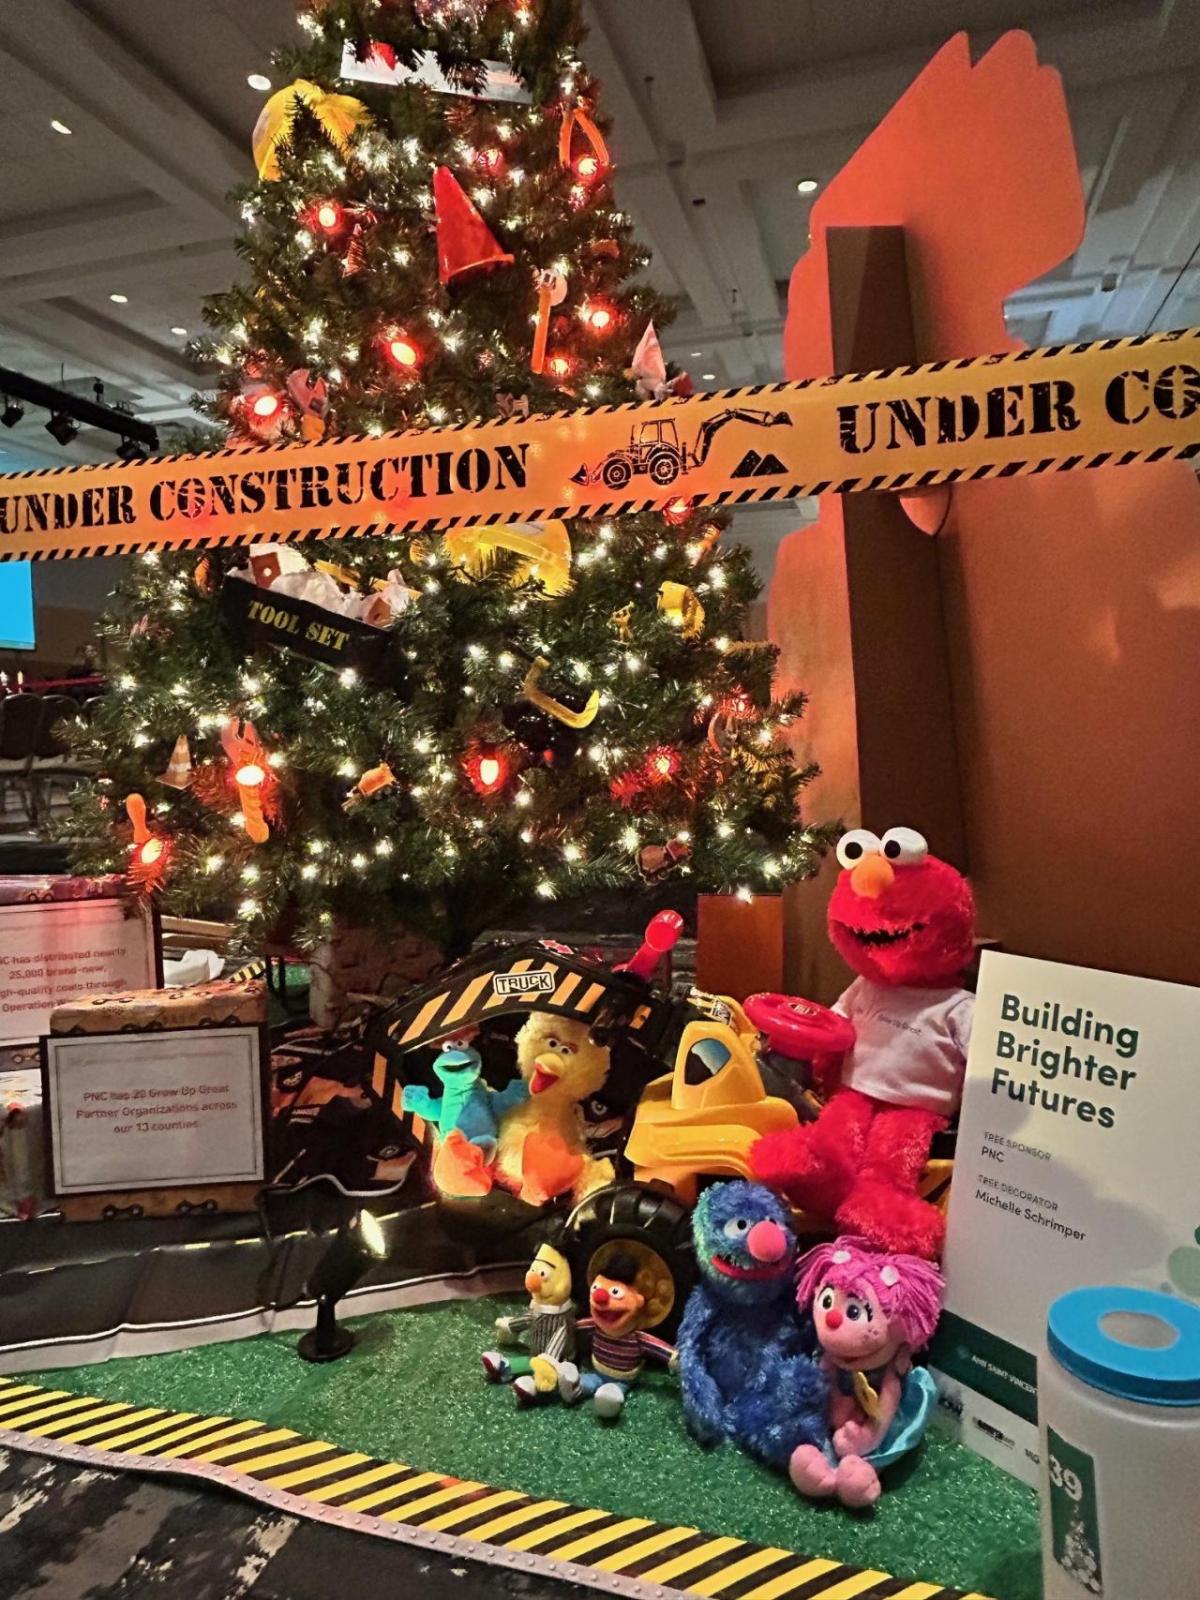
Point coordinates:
[(905, 922)]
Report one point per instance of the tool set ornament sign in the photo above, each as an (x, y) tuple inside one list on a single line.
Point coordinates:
[(1027, 411)]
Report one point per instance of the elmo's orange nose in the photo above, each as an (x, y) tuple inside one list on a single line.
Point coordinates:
[(871, 876)]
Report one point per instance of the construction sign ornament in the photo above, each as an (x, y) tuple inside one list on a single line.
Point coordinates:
[(1027, 411)]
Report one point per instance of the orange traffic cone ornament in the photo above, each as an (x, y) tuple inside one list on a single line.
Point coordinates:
[(465, 242)]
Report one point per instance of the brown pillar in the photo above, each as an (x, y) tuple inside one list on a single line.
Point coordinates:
[(877, 668)]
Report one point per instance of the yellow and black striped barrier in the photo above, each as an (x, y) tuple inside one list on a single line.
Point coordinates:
[(312, 1478), (1018, 413)]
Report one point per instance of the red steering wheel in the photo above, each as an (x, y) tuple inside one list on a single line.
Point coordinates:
[(798, 1029)]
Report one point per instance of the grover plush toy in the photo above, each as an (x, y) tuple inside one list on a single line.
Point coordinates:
[(745, 1370), (871, 1311), (905, 922)]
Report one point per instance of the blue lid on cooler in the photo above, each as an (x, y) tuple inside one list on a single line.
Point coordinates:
[(1154, 1357)]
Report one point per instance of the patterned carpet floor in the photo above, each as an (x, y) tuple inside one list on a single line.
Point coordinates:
[(72, 1533)]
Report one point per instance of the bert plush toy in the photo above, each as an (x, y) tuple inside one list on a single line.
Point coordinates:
[(905, 922)]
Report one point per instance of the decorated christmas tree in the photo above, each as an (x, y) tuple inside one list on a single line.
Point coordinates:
[(530, 714)]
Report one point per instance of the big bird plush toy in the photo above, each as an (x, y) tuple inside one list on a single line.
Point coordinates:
[(905, 922), (541, 1151)]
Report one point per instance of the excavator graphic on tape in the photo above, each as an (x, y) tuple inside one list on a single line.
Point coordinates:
[(705, 1078), (654, 450)]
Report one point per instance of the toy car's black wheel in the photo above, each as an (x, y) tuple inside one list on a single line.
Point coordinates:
[(649, 1225), (617, 472)]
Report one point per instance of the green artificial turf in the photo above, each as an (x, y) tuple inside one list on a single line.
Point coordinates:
[(412, 1390)]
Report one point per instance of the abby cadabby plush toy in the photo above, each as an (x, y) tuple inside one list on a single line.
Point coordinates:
[(871, 1311), (905, 922)]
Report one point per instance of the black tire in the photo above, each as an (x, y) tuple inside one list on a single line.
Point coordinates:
[(664, 468), (646, 1219), (617, 472)]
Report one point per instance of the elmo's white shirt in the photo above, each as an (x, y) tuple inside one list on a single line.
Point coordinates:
[(910, 1044)]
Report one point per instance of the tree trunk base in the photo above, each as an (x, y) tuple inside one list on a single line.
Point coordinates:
[(356, 962)]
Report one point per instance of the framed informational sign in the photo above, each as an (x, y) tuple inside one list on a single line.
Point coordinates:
[(1075, 1166), (154, 1110), (56, 950)]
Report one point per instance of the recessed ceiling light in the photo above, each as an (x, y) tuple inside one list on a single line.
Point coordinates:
[(119, 299), (59, 127), (180, 333), (709, 377), (258, 80), (807, 185), (696, 354)]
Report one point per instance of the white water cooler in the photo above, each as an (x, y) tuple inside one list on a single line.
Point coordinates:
[(1119, 1420)]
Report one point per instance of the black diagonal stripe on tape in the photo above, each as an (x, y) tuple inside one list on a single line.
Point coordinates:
[(984, 472), (243, 1444), (1098, 461), (816, 1587), (469, 1497), (1188, 451), (1010, 469), (786, 1561), (479, 1519), (1151, 455), (601, 1525), (73, 1420), (403, 1478), (847, 486), (280, 1469), (1069, 462), (693, 1541), (546, 1519)]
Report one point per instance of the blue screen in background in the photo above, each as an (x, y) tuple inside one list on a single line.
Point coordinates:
[(16, 606)]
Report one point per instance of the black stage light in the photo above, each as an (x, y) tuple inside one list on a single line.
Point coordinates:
[(355, 1246), (131, 450), (62, 427), (12, 413)]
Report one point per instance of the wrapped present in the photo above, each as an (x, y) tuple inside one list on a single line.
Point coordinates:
[(224, 1003)]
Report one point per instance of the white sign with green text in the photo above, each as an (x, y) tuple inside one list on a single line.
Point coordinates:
[(1075, 1164)]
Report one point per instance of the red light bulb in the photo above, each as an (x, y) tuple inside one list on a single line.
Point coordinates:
[(400, 349), (328, 215), (560, 366), (600, 318), (487, 769), (266, 405), (491, 160), (587, 166)]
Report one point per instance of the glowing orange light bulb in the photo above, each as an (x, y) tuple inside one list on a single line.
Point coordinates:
[(601, 318), (150, 852), (266, 405), (329, 215), (250, 779), (559, 366), (587, 166), (489, 772)]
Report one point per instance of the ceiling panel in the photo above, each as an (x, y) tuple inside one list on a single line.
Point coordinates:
[(773, 38)]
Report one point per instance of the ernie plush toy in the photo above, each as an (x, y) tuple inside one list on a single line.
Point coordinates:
[(905, 922)]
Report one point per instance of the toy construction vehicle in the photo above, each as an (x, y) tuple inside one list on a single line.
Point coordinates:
[(654, 449), (696, 1122)]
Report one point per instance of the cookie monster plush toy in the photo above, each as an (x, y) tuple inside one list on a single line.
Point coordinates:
[(746, 1366)]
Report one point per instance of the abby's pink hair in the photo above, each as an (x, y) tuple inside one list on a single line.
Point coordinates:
[(914, 1300)]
